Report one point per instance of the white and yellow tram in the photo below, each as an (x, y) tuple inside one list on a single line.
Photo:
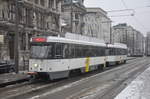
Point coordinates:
[(116, 54), (57, 57)]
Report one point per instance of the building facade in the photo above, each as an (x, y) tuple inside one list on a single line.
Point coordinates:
[(97, 24), (128, 35), (147, 44), (35, 17), (121, 33), (72, 16)]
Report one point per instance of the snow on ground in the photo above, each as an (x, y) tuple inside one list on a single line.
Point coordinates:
[(138, 89)]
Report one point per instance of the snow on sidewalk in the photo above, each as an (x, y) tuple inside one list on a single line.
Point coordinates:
[(138, 89)]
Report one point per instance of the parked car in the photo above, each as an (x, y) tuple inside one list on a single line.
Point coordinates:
[(7, 67)]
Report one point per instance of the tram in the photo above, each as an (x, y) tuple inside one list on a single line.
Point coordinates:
[(57, 57)]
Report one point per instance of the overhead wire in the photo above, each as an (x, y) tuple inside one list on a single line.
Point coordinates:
[(120, 10), (135, 18), (124, 4)]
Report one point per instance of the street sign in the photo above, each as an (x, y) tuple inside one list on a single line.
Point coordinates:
[(1, 38)]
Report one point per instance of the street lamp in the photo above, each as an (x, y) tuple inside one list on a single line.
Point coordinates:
[(16, 52)]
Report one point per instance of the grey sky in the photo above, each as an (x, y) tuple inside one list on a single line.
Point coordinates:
[(141, 20)]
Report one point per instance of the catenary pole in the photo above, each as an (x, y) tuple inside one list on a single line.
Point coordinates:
[(16, 50)]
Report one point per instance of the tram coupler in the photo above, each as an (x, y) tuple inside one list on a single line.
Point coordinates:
[(33, 75)]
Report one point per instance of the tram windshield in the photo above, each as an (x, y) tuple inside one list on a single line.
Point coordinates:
[(41, 51)]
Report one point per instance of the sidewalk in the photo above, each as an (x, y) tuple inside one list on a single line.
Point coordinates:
[(10, 77), (138, 89)]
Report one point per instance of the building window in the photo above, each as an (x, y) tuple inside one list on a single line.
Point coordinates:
[(66, 1), (51, 2), (42, 2), (36, 1), (11, 12), (76, 16)]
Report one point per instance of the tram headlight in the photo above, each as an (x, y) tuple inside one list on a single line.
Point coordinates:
[(35, 65)]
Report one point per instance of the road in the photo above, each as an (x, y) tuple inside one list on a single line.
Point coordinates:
[(104, 85)]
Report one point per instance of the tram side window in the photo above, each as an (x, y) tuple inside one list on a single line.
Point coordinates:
[(88, 51), (80, 53), (95, 51), (65, 51), (50, 52), (112, 51), (116, 51), (103, 51), (107, 52), (120, 51), (124, 51), (72, 48), (77, 51), (85, 50), (58, 50), (99, 51), (68, 51)]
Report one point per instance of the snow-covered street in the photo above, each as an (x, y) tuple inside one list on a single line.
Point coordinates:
[(138, 89)]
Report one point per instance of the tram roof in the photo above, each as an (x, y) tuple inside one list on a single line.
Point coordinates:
[(117, 45), (71, 41), (83, 42)]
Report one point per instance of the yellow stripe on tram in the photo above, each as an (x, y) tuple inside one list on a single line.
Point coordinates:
[(105, 63), (87, 63)]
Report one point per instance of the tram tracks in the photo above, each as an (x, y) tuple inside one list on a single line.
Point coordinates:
[(114, 86), (27, 90), (107, 84), (25, 80), (64, 89)]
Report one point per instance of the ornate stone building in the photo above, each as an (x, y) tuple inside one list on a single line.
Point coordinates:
[(97, 24), (72, 16), (36, 17)]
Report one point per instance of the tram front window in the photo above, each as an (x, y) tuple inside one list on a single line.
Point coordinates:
[(40, 51)]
